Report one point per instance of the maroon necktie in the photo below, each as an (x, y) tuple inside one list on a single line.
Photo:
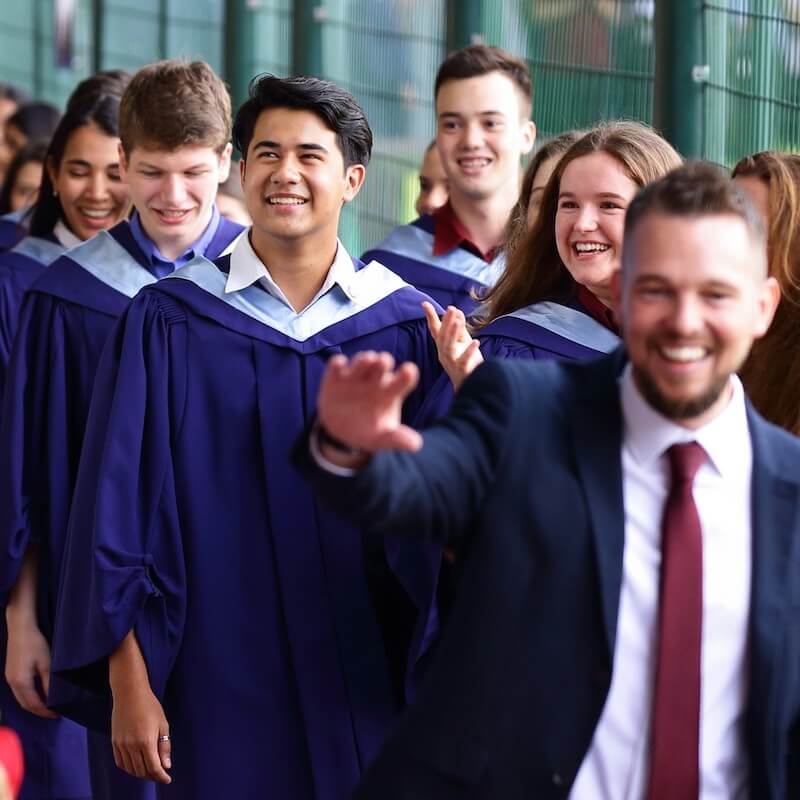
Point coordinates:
[(675, 742)]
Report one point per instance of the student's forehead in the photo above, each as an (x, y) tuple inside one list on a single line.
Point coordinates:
[(286, 124), (694, 249), (195, 154), (493, 91)]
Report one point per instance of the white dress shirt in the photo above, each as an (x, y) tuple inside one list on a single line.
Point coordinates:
[(66, 238), (246, 268), (617, 763)]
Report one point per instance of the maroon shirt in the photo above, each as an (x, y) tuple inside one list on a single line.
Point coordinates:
[(449, 233)]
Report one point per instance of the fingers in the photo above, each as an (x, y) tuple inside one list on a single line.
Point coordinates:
[(28, 696), (154, 763), (432, 318), (145, 759), (401, 438), (43, 670), (471, 357), (404, 380), (454, 328), (165, 751)]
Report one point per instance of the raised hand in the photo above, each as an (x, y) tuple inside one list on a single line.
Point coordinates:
[(459, 353), (360, 402)]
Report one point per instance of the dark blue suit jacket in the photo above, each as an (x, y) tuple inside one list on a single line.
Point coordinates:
[(527, 470)]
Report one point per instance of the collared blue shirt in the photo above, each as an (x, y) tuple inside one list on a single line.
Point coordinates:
[(156, 263)]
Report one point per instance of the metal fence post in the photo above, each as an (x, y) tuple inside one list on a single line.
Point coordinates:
[(98, 11), (239, 54), (680, 73), (464, 23), (307, 37)]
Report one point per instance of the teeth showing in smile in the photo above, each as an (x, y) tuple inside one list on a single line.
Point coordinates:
[(285, 201), (591, 247), (683, 354), (474, 162), (95, 214), (173, 214)]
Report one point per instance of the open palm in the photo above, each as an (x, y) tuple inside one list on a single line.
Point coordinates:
[(361, 400)]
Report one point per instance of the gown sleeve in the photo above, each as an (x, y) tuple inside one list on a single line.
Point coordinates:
[(123, 565), (24, 423)]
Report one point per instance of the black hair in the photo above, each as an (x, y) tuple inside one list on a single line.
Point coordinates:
[(107, 81), (36, 151), (37, 121), (336, 107), (10, 92), (101, 110)]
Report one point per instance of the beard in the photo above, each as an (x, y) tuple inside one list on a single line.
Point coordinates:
[(683, 409)]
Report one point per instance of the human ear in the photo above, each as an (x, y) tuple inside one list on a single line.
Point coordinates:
[(354, 177), (769, 297)]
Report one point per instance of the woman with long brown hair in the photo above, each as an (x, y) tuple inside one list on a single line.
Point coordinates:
[(771, 374), (554, 299)]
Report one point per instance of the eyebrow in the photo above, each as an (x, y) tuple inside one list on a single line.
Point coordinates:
[(148, 165), (267, 144), (458, 115), (598, 194)]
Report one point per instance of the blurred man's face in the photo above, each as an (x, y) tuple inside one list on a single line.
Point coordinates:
[(694, 298)]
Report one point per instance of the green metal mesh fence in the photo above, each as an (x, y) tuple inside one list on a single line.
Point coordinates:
[(591, 60), (273, 21), (386, 54), (752, 98)]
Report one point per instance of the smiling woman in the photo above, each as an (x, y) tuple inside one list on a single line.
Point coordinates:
[(554, 299)]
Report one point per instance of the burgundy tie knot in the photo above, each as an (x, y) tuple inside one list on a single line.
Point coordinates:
[(684, 461)]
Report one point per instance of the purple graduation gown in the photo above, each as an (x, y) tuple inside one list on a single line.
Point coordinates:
[(55, 750), (13, 228), (65, 319), (450, 279), (19, 268), (253, 605), (546, 330)]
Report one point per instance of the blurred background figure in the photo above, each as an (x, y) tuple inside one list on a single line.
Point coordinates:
[(433, 189), (771, 374), (30, 123), (230, 199), (526, 211), (23, 178), (12, 764), (10, 100)]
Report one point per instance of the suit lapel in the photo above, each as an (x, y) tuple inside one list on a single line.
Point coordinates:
[(774, 577), (597, 430)]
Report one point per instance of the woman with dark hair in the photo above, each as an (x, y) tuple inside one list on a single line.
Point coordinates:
[(32, 122), (553, 300), (771, 375), (81, 193), (23, 179), (536, 176)]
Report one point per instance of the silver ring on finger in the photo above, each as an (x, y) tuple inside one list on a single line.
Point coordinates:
[(164, 738)]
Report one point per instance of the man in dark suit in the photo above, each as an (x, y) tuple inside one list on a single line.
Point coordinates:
[(626, 624)]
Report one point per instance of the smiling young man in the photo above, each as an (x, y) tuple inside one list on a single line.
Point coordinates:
[(626, 626), (483, 107), (202, 577), (171, 164)]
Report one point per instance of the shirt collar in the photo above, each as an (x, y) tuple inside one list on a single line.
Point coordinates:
[(153, 254), (449, 233), (66, 238), (597, 309), (648, 434), (246, 268)]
